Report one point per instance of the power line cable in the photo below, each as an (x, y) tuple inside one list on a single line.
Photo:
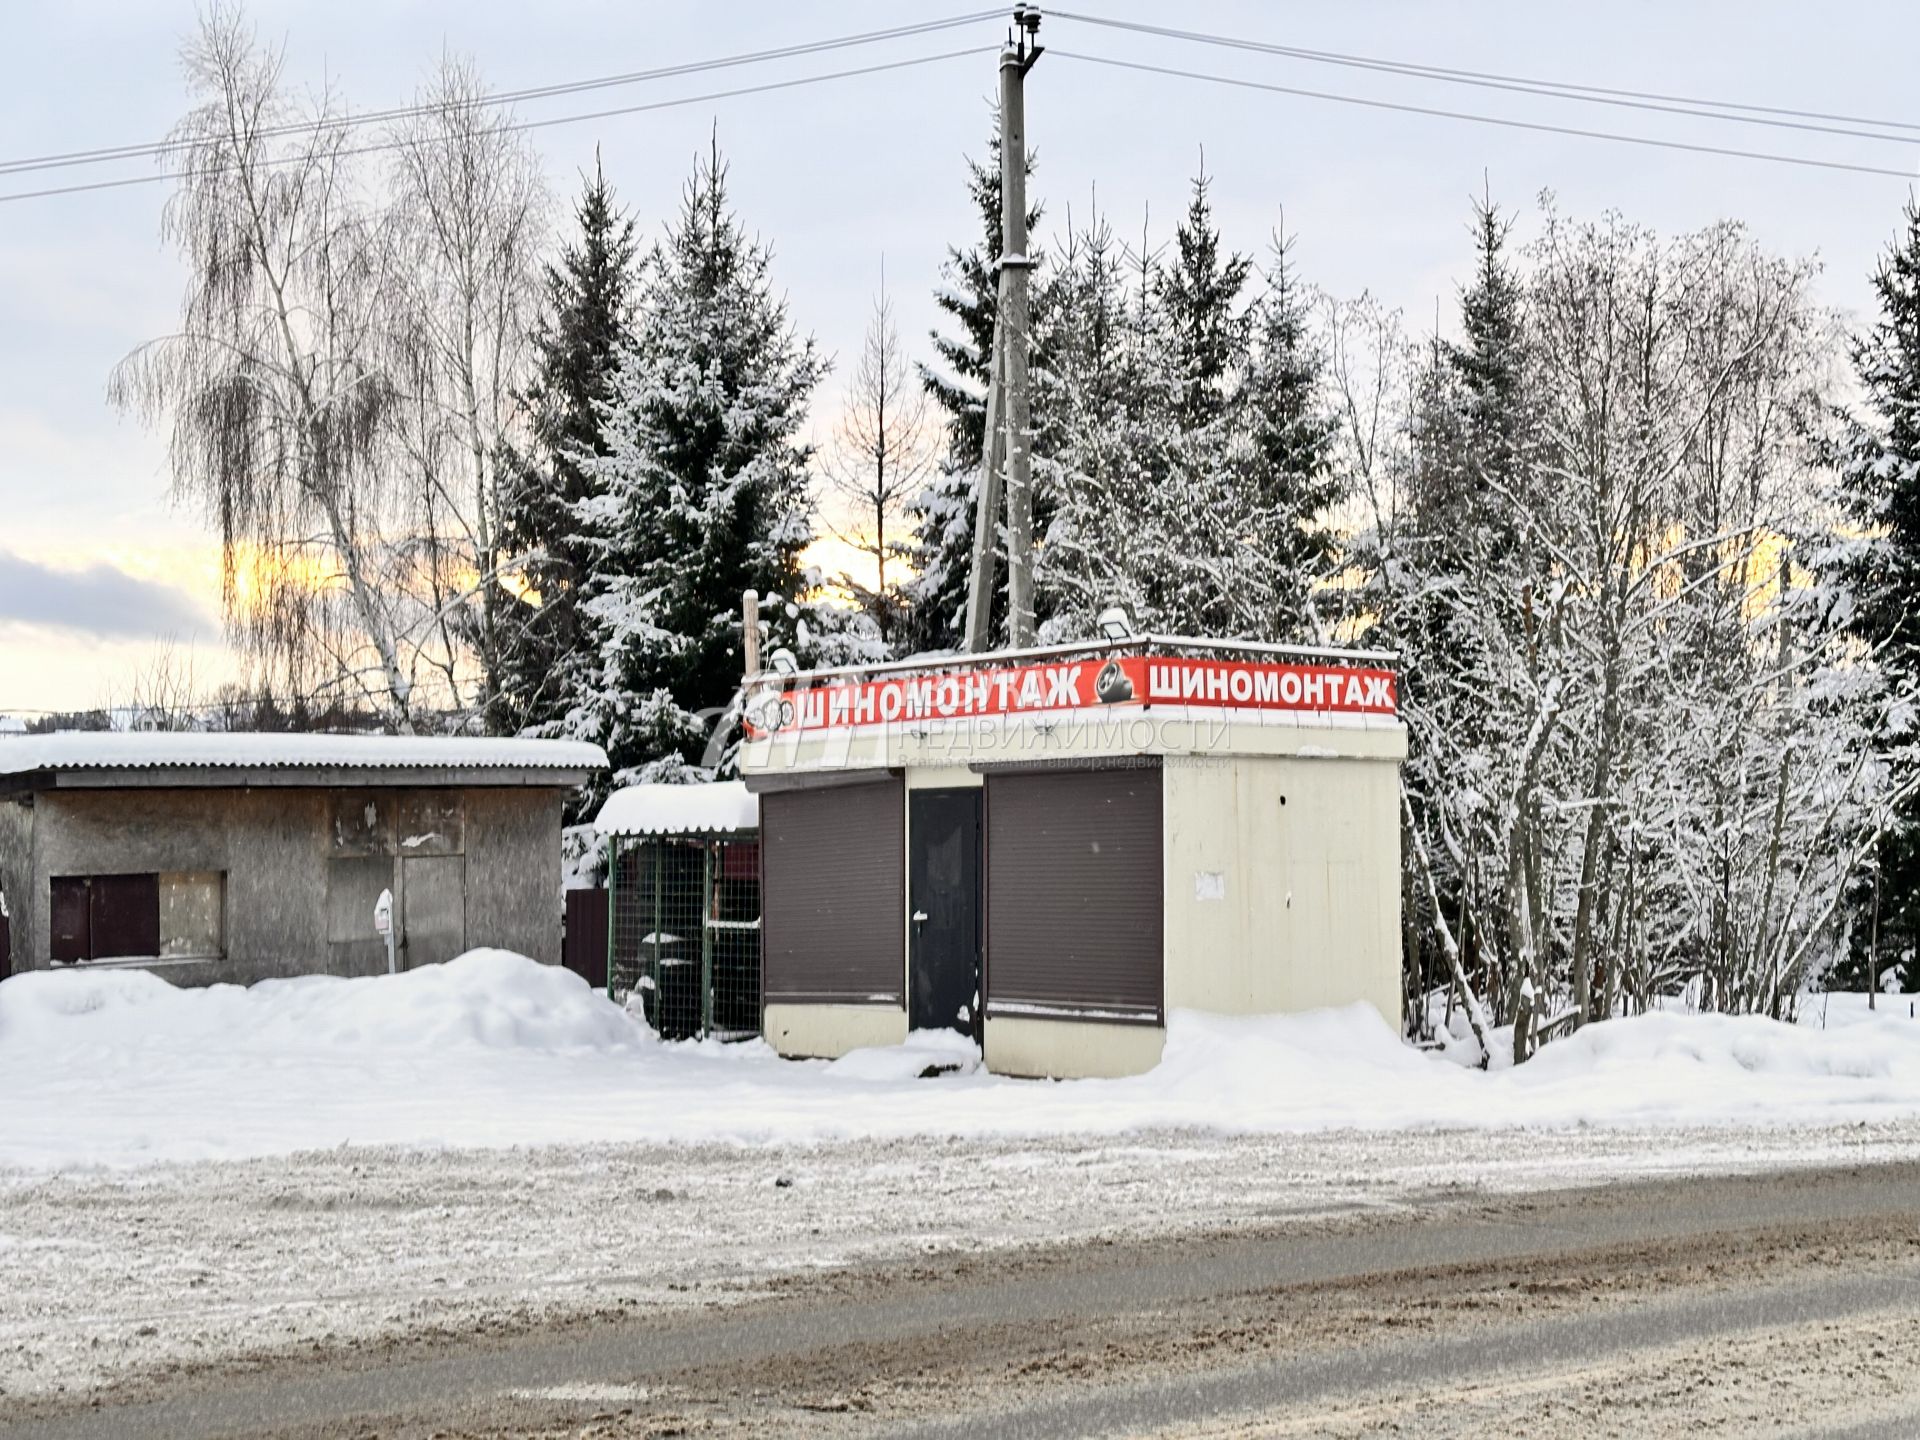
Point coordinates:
[(522, 124), (1511, 124), (111, 153), (1554, 89)]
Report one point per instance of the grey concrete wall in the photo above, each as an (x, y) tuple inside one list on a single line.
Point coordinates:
[(16, 870), (513, 871), (270, 844), (291, 906)]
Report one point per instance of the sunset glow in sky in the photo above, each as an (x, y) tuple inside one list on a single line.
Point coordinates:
[(98, 567)]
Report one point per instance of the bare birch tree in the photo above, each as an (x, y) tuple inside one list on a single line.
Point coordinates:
[(272, 387), (467, 207), (1647, 762)]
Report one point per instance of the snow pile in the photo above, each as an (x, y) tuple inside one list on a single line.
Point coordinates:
[(114, 1068), (486, 998), (944, 1052)]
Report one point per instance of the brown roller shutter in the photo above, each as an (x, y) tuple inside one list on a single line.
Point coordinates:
[(833, 894), (1074, 864), (125, 916)]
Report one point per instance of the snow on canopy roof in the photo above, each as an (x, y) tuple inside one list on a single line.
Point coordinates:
[(197, 750), (678, 809)]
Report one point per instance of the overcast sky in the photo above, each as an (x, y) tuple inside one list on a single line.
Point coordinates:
[(97, 566)]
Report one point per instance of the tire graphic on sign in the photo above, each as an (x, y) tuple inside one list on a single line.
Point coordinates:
[(1111, 685)]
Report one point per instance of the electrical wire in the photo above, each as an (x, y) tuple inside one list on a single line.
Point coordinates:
[(519, 125), (1553, 89), (1511, 124), (111, 153)]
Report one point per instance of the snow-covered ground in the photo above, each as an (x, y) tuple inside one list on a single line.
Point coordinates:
[(490, 1143), (112, 1069)]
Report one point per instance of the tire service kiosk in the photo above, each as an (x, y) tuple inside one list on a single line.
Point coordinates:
[(1050, 849)]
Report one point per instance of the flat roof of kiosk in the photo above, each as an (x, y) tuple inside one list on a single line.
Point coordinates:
[(1143, 696)]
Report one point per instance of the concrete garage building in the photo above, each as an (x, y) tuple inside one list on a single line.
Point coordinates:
[(242, 857), (1052, 849)]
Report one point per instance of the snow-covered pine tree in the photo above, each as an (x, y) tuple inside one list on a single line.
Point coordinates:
[(703, 491), (1195, 448), (1288, 464), (1880, 486), (1490, 365), (942, 513), (1199, 290), (1465, 611), (584, 325), (1211, 577), (1100, 464)]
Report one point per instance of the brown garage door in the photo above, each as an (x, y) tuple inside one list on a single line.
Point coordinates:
[(1074, 894), (832, 870)]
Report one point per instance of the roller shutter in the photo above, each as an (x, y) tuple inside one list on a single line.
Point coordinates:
[(1074, 865), (833, 898)]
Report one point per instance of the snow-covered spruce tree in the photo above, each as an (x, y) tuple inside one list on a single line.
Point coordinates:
[(942, 514), (1199, 291), (1213, 577), (702, 493), (1105, 467), (1149, 374), (1194, 449), (1880, 572), (1287, 463), (1470, 608), (546, 664)]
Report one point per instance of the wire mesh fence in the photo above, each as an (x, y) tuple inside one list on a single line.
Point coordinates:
[(684, 933)]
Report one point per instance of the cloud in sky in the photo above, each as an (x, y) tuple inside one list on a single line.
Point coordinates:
[(99, 599)]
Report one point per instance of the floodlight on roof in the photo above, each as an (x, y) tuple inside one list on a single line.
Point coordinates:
[(1114, 623), (781, 662)]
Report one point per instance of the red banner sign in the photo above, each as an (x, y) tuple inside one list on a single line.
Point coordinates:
[(1135, 680)]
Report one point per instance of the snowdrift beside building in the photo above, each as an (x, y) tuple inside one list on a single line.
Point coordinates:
[(120, 1068), (489, 999)]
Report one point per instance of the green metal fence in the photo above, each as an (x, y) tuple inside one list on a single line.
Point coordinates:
[(683, 932)]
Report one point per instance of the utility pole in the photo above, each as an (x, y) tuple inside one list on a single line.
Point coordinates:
[(1006, 452)]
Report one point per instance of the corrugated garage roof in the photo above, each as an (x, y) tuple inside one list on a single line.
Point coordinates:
[(723, 808), (115, 750)]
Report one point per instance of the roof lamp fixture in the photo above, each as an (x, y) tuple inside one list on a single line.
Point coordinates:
[(1114, 624), (781, 662)]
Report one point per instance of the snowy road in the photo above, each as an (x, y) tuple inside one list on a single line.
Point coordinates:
[(1756, 1303), (154, 1277)]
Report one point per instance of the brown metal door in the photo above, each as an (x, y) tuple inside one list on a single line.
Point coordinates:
[(583, 943), (833, 893), (1074, 881), (68, 912)]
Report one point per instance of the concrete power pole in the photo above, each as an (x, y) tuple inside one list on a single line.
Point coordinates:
[(1006, 453)]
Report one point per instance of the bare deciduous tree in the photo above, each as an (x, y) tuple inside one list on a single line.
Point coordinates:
[(882, 452), (466, 227), (273, 385)]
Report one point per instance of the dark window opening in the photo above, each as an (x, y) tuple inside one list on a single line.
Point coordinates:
[(173, 915)]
